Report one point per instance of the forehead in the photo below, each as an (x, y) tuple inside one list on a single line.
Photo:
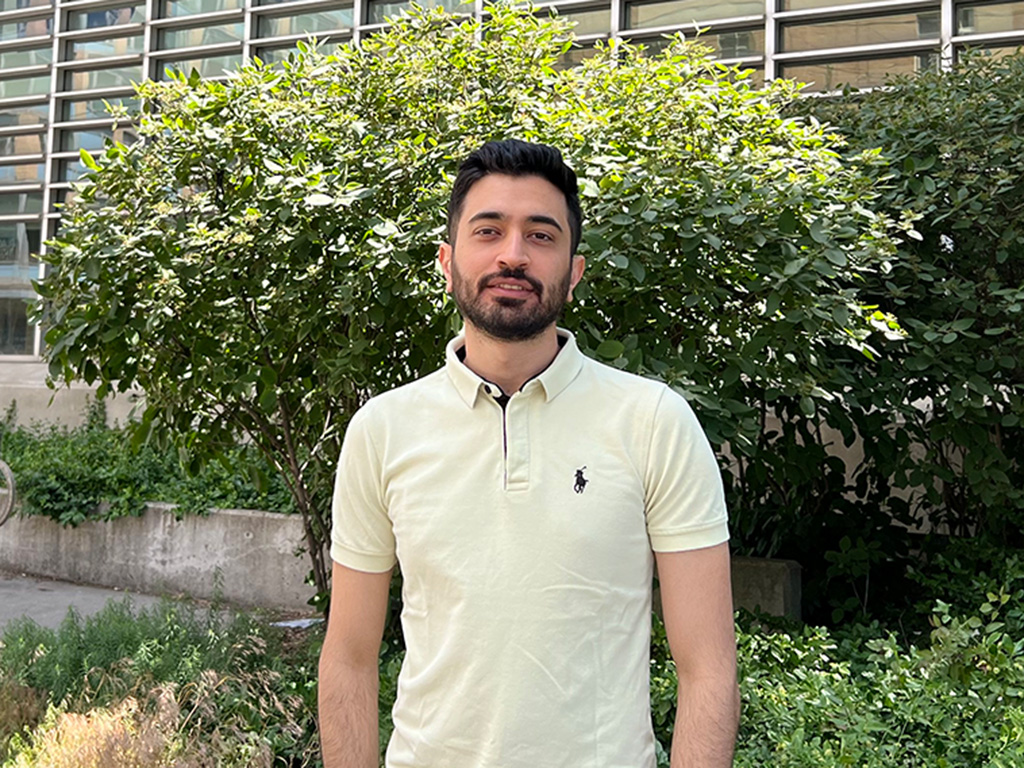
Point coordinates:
[(515, 197)]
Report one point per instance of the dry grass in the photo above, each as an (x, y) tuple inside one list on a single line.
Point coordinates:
[(21, 708)]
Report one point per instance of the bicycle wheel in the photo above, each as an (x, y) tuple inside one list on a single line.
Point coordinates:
[(6, 492)]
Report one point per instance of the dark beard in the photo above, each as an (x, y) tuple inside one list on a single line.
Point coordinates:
[(508, 319)]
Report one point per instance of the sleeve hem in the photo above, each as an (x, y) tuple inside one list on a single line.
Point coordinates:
[(360, 561), (693, 538)]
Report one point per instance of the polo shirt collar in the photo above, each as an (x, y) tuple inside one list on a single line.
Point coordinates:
[(554, 379)]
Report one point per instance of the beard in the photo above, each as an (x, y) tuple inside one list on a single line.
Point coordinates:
[(506, 318)]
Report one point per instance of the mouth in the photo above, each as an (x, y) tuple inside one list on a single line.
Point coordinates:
[(512, 287)]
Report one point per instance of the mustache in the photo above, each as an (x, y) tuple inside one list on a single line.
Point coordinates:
[(515, 274)]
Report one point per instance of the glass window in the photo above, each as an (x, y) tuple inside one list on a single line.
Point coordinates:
[(863, 73), (30, 58), (870, 31), (175, 8), (187, 38), (70, 170), (25, 86), (88, 109), (589, 22), (11, 5), (380, 11), (95, 138), (983, 19), (727, 45), (17, 337), (18, 241), (304, 23), (31, 114), (803, 5), (20, 202), (107, 17), (15, 174), (274, 55), (995, 51), (675, 12), (17, 30), (80, 50), (116, 77), (212, 66), (26, 144), (575, 56)]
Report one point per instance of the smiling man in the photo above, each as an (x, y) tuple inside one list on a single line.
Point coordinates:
[(526, 493)]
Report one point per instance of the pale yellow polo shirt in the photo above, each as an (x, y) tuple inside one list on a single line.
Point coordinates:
[(525, 539)]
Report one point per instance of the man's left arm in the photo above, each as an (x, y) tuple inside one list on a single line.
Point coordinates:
[(696, 599)]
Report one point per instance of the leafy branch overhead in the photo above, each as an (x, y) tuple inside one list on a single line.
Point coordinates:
[(263, 261)]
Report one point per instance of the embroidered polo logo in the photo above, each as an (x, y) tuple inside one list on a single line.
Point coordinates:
[(581, 481)]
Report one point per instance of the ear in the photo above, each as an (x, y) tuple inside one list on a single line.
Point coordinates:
[(444, 258), (578, 265)]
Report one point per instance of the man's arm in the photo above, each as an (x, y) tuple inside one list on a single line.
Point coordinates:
[(696, 600), (349, 679)]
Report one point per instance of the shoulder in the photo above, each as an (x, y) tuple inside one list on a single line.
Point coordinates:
[(395, 401)]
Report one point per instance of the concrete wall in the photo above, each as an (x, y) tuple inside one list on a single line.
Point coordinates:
[(250, 556), (25, 384)]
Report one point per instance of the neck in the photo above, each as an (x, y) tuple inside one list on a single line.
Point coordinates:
[(509, 364)]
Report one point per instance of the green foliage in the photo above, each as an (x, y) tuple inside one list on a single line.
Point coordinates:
[(941, 412), (95, 473), (819, 699), (232, 676), (264, 260)]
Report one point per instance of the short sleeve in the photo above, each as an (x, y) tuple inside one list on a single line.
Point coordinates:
[(684, 497), (361, 533)]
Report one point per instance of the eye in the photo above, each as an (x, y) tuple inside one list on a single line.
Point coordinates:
[(486, 231), (545, 236)]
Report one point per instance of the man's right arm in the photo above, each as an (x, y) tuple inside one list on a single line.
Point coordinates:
[(348, 668)]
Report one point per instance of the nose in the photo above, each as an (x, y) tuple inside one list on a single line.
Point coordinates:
[(514, 253)]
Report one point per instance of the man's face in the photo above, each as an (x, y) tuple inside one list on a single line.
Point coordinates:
[(510, 272)]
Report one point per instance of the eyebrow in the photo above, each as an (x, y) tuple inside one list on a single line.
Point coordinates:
[(537, 218)]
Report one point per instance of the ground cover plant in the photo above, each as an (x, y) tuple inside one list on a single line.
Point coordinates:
[(171, 686), (96, 472)]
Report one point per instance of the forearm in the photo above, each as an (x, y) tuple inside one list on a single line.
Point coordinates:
[(348, 716), (707, 718)]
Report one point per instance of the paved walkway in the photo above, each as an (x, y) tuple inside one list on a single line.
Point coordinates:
[(47, 602)]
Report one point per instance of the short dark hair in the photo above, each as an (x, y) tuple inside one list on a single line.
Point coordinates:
[(517, 158)]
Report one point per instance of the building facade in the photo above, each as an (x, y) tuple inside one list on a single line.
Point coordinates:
[(60, 60)]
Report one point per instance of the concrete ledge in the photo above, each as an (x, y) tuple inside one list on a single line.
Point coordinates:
[(247, 557), (771, 586)]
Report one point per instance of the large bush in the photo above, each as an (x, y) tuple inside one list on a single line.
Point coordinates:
[(264, 260)]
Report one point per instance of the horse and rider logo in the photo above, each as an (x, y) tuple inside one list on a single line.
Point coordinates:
[(581, 481)]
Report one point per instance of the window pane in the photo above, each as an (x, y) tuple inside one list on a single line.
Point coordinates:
[(28, 144), (20, 202), (17, 337), (18, 242), (16, 30), (801, 5), (982, 19), (175, 8), (212, 66), (103, 78), (29, 58), (79, 50), (11, 5), (592, 22), (25, 86), (187, 38), (304, 23), (95, 138), (108, 17), (32, 114), (880, 29), (273, 55), (688, 11), (727, 45), (70, 170), (86, 109), (380, 11), (995, 51), (14, 174), (860, 74)]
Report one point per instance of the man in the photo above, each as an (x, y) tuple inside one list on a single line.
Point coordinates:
[(525, 492)]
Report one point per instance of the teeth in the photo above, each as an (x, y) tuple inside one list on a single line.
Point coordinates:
[(511, 287)]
